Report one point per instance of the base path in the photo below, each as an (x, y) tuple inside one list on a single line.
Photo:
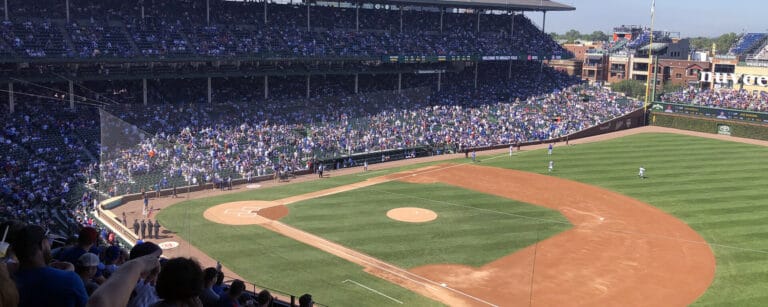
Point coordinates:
[(620, 252), (133, 211)]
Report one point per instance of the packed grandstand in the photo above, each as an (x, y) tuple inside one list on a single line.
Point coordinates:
[(113, 97)]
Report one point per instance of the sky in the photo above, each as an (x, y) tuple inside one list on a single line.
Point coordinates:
[(709, 18)]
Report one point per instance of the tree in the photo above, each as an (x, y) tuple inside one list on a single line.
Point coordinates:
[(724, 42), (599, 36), (572, 35), (631, 88)]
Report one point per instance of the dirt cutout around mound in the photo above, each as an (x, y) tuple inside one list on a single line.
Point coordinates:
[(246, 212), (583, 248), (412, 215), (620, 252)]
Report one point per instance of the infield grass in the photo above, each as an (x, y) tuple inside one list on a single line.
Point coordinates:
[(471, 229), (717, 187)]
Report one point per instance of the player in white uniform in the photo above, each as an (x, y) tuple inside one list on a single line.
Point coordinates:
[(511, 149), (641, 173), (551, 166)]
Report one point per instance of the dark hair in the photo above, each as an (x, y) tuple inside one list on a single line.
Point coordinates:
[(143, 249), (87, 236), (264, 297), (27, 241), (179, 279), (237, 287), (209, 274), (306, 300)]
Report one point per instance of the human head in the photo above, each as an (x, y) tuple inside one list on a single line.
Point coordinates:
[(143, 249), (209, 276), (181, 279), (111, 254), (87, 237), (29, 243), (236, 288), (264, 298), (87, 264), (306, 300)]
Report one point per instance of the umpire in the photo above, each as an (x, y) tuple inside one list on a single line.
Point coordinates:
[(149, 228), (136, 227)]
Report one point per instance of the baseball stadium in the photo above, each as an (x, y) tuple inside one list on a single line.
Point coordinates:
[(374, 153)]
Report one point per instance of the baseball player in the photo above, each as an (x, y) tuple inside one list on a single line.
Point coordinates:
[(365, 165), (511, 149), (641, 173), (474, 155), (549, 151), (551, 166)]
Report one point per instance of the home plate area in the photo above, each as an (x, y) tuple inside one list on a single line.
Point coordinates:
[(246, 212)]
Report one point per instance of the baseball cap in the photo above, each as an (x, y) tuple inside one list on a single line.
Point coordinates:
[(88, 259)]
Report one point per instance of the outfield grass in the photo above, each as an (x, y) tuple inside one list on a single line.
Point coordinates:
[(461, 234), (717, 187)]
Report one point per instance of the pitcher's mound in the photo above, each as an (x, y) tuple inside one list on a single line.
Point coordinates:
[(412, 215), (246, 212)]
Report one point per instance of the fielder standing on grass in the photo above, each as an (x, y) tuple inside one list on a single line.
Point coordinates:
[(551, 166), (549, 151), (641, 173)]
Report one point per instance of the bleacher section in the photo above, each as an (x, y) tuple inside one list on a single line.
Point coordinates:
[(172, 29), (747, 43)]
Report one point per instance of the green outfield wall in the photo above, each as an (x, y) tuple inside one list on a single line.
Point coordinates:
[(752, 130)]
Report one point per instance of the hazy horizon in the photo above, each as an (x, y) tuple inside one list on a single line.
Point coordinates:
[(709, 18)]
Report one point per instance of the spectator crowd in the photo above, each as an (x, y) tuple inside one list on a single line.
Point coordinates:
[(40, 269), (179, 28), (55, 161), (720, 98)]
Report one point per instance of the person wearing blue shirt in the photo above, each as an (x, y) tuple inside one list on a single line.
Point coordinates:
[(39, 284)]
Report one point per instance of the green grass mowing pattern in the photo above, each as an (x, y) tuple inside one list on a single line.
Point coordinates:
[(278, 262), (272, 260), (717, 187), (471, 229)]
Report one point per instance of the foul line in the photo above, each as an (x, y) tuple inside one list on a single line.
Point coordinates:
[(374, 262), (372, 290)]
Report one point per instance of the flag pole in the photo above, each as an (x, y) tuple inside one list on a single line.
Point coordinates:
[(650, 60)]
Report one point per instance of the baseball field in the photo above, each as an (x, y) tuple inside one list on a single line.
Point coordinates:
[(505, 232)]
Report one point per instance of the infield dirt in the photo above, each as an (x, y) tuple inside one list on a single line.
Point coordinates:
[(635, 255)]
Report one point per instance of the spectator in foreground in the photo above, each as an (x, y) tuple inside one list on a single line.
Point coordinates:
[(85, 240), (117, 290), (209, 297), (306, 300), (180, 283), (232, 296), (144, 293), (39, 284), (86, 267), (264, 299)]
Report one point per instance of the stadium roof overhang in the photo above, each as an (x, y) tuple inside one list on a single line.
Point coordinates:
[(513, 5)]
